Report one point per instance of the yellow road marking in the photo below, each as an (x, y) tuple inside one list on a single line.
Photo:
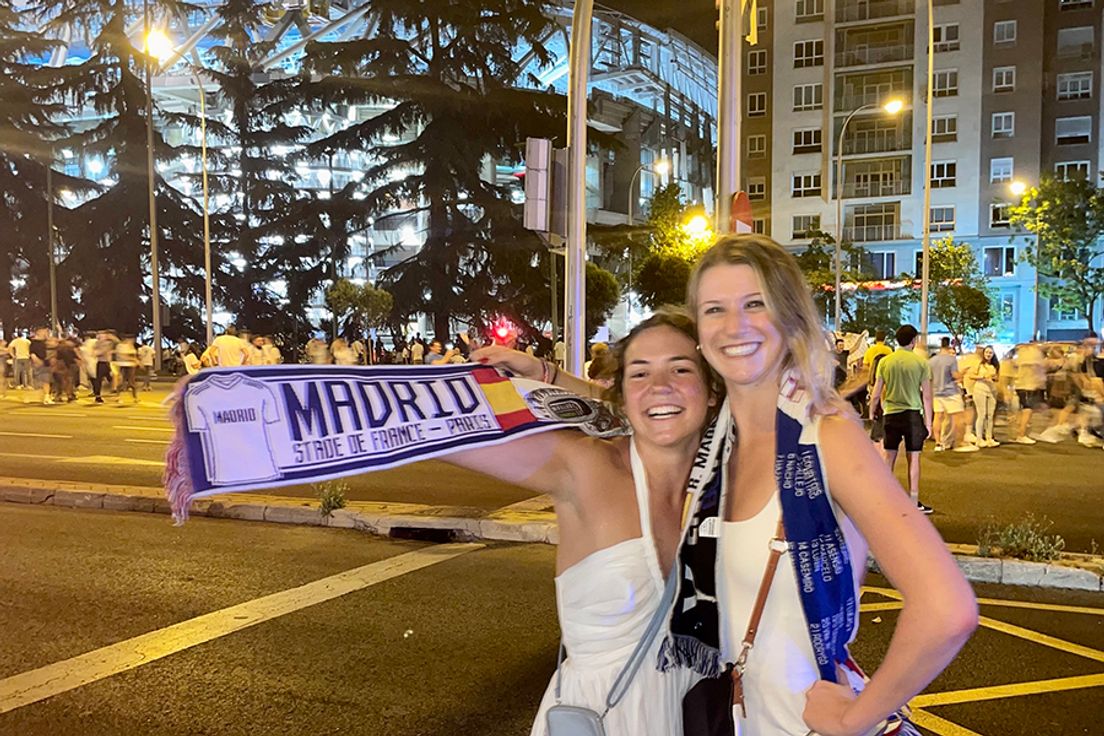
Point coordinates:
[(59, 677), (32, 455), (143, 429), (887, 592), (1044, 639), (954, 697), (35, 434), (149, 442), (1040, 606), (888, 606), (48, 413), (109, 460), (940, 726)]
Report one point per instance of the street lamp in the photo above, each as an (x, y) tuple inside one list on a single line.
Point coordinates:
[(1018, 189), (891, 107), (156, 43), (160, 47)]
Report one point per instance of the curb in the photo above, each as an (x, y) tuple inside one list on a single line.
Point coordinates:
[(407, 519)]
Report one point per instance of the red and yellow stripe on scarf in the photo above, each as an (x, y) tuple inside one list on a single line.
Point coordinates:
[(507, 404)]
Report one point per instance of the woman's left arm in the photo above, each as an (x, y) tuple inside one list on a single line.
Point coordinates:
[(940, 612)]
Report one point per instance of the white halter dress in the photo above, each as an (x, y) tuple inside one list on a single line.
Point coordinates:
[(605, 602)]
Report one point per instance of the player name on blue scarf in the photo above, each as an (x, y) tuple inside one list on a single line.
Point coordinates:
[(257, 427)]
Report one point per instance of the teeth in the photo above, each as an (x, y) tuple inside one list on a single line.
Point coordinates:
[(664, 411), (738, 351)]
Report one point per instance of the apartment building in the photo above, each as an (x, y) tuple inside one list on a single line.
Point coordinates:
[(1016, 95)]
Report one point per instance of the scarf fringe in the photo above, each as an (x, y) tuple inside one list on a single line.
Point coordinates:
[(177, 480), (679, 650)]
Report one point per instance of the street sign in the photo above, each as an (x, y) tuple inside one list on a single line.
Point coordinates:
[(740, 222)]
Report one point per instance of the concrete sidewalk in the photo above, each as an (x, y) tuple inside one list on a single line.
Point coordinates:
[(530, 521)]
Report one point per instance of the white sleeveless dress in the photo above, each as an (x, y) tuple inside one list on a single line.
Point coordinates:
[(605, 602)]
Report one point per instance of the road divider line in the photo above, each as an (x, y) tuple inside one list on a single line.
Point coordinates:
[(875, 607), (148, 442), (1040, 606), (29, 687), (1037, 687), (108, 460), (940, 726), (143, 429), (1038, 638), (48, 413), (37, 435), (33, 456)]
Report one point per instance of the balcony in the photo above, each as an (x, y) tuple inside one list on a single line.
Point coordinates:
[(876, 141), (847, 102), (865, 55), (873, 233), (875, 187), (852, 11)]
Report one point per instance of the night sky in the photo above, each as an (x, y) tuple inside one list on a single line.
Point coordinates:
[(693, 18)]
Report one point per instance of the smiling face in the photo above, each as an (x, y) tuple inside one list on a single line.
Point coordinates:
[(665, 396), (988, 354), (738, 337)]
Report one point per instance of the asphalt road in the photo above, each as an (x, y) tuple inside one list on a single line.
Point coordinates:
[(463, 645), (124, 443)]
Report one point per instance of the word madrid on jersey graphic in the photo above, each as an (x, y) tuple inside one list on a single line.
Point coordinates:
[(264, 426)]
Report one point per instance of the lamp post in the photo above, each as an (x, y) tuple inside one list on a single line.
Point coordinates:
[(575, 261), (892, 107), (155, 276), (1018, 189), (55, 324), (925, 268)]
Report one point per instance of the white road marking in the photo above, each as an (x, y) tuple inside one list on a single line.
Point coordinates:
[(48, 413), (143, 429), (45, 682), (148, 442), (110, 460), (36, 434)]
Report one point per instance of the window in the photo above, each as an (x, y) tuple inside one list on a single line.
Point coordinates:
[(756, 146), (1004, 124), (1074, 4), (999, 215), (1075, 86), (1075, 42), (757, 62), (808, 53), (941, 219), (873, 222), (1004, 31), (806, 185), (943, 174), (1061, 309), (1004, 79), (757, 104), (761, 19), (803, 225), (1065, 170), (946, 37), (759, 225), (882, 264), (757, 188), (1000, 261), (1069, 131), (809, 9), (808, 97), (944, 128), (806, 140), (945, 83), (1000, 169)]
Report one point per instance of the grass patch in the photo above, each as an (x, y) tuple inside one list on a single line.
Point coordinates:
[(331, 496), (1028, 539)]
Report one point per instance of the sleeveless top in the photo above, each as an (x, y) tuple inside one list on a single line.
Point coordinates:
[(605, 602), (781, 666)]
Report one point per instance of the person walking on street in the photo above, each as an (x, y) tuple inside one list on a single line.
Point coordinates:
[(145, 365), (947, 400), (3, 368), (1029, 365), (40, 364), (878, 348), (984, 376), (20, 350), (66, 360), (126, 358), (105, 347), (903, 389), (417, 352)]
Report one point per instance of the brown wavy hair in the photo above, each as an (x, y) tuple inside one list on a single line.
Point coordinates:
[(790, 306), (677, 318)]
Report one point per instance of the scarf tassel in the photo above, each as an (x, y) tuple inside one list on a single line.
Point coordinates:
[(679, 650)]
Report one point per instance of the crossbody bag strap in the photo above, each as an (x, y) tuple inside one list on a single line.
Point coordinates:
[(777, 547), (628, 671)]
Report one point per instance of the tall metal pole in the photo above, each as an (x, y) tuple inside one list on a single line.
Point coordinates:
[(926, 216), (728, 112), (55, 325), (575, 266), (155, 276), (206, 207), (839, 213)]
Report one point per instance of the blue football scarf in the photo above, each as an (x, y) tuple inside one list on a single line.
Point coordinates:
[(821, 560), (256, 427)]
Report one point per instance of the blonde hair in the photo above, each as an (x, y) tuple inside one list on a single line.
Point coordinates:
[(790, 306)]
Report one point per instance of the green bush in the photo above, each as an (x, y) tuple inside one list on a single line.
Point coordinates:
[(1024, 540), (331, 496)]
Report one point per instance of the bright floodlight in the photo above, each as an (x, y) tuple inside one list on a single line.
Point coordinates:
[(1018, 188), (893, 106), (697, 225), (159, 45), (661, 167)]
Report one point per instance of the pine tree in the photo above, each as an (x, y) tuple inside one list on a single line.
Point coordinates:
[(448, 68)]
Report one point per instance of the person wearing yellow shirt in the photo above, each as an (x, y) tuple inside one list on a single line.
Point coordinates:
[(878, 348)]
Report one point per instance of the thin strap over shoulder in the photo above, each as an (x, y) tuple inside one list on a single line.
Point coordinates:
[(644, 511)]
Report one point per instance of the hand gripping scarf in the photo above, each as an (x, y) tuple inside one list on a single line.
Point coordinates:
[(254, 427), (817, 548)]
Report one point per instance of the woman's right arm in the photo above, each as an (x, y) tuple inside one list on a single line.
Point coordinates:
[(527, 366)]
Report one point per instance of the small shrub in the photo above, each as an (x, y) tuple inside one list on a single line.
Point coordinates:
[(1023, 540), (331, 496)]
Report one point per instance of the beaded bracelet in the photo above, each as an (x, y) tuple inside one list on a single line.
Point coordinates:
[(549, 372)]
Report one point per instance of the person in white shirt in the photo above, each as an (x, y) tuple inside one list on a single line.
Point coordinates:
[(417, 352), (20, 350), (342, 353), (145, 365), (228, 349)]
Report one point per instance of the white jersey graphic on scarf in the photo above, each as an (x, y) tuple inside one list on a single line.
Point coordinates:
[(231, 413)]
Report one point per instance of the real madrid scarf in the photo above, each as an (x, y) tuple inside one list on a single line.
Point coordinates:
[(254, 427), (817, 549)]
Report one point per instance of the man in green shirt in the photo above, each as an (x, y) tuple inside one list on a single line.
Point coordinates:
[(904, 391)]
